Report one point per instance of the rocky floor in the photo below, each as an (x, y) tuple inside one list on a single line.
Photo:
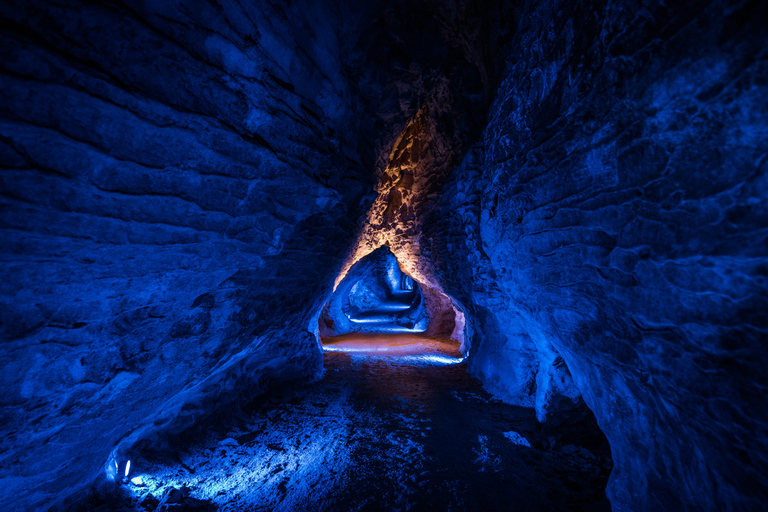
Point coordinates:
[(378, 432)]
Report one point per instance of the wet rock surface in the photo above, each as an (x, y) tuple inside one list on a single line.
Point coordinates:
[(607, 238), (375, 297), (377, 433)]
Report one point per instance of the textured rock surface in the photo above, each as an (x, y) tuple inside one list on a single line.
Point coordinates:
[(614, 218), (180, 183), (451, 50), (376, 296)]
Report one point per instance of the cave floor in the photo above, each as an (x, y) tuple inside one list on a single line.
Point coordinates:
[(386, 433), (405, 349)]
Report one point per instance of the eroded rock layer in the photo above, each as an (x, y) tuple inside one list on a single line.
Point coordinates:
[(609, 232), (375, 296), (180, 183)]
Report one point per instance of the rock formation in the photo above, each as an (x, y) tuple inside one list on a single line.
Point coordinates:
[(376, 296), (579, 192), (607, 236)]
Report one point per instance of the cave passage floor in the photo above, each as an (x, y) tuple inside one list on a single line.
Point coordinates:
[(386, 432)]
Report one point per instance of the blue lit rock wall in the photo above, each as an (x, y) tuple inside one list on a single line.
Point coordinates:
[(181, 181), (180, 184), (614, 215)]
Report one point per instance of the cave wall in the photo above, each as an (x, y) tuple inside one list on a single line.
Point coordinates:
[(607, 236), (180, 183), (181, 180)]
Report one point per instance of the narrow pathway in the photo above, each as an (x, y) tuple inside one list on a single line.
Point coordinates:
[(388, 431)]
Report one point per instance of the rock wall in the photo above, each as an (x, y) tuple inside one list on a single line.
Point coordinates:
[(608, 235), (181, 180)]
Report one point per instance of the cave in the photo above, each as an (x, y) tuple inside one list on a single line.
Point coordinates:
[(384, 255)]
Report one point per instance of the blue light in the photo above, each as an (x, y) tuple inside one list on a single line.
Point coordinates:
[(434, 359), (115, 469), (415, 359)]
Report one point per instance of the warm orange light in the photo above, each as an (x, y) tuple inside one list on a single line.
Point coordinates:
[(393, 345), (393, 218)]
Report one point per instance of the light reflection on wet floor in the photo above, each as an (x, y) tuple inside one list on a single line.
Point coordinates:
[(385, 431), (400, 348), (392, 344)]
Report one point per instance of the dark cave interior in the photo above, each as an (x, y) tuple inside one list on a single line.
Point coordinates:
[(386, 255)]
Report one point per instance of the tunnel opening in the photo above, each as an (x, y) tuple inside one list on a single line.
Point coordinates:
[(378, 308)]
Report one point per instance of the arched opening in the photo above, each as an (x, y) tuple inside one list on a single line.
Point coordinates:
[(379, 308)]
